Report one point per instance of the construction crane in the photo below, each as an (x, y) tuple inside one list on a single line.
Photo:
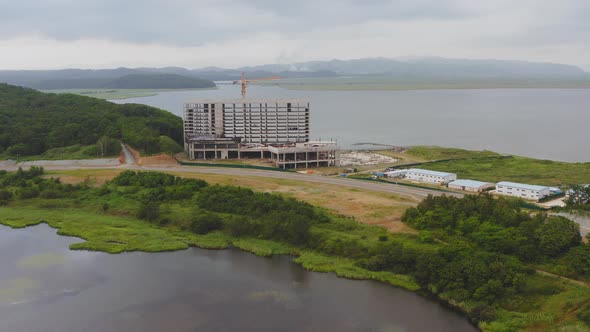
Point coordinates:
[(246, 81)]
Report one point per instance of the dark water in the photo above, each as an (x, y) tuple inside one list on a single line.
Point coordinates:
[(542, 123), (45, 287)]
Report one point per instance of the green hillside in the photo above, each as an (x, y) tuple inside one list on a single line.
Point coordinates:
[(32, 122), (130, 81), (158, 81)]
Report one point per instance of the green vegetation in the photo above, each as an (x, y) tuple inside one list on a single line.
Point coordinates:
[(159, 81), (33, 123), (439, 153), (129, 81), (108, 94), (579, 198), (75, 152), (492, 167), (168, 145), (478, 253)]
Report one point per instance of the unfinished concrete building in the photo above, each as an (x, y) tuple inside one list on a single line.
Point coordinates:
[(276, 130)]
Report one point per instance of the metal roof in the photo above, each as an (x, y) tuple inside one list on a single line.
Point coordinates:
[(428, 172), (522, 186), (470, 183)]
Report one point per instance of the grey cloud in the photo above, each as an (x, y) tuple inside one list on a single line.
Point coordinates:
[(185, 22), (238, 32)]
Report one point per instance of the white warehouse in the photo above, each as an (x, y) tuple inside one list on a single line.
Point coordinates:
[(521, 190), (424, 175), (471, 185)]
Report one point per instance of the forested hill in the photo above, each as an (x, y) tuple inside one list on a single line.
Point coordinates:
[(159, 81), (131, 81), (32, 122)]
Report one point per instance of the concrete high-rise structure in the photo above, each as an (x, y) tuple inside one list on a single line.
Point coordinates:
[(273, 129), (265, 121)]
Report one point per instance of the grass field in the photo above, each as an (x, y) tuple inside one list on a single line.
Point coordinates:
[(493, 167), (429, 153), (367, 207)]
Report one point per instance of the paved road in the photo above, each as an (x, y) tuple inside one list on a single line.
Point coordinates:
[(129, 158), (415, 193)]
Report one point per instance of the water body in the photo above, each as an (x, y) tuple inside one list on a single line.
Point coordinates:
[(541, 123), (46, 287)]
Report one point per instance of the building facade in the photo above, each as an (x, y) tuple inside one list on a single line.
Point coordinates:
[(427, 176), (471, 185), (263, 121), (521, 190), (270, 129)]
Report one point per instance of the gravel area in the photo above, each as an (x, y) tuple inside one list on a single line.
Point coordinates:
[(359, 158), (81, 162)]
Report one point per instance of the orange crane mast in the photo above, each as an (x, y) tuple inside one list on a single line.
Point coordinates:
[(246, 81)]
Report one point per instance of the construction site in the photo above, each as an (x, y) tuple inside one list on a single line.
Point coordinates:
[(277, 130)]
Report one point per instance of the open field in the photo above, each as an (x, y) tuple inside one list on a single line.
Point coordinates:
[(428, 153), (365, 206)]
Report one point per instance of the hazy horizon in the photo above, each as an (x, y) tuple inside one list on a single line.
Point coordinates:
[(585, 68)]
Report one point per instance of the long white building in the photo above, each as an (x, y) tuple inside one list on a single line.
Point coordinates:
[(521, 190), (471, 185), (424, 175), (264, 121)]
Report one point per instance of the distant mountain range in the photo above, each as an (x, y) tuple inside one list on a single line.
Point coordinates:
[(433, 68), (416, 69), (121, 78)]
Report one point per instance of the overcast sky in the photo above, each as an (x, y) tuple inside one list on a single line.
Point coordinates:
[(48, 34)]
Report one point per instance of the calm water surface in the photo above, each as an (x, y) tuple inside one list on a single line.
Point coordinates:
[(542, 123), (46, 287)]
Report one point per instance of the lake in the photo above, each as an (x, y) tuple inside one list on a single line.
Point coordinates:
[(541, 123), (46, 287)]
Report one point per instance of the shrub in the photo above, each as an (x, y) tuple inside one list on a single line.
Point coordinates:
[(205, 222), (483, 313), (27, 193), (149, 211), (242, 226), (584, 315), (557, 234), (50, 194), (5, 195)]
